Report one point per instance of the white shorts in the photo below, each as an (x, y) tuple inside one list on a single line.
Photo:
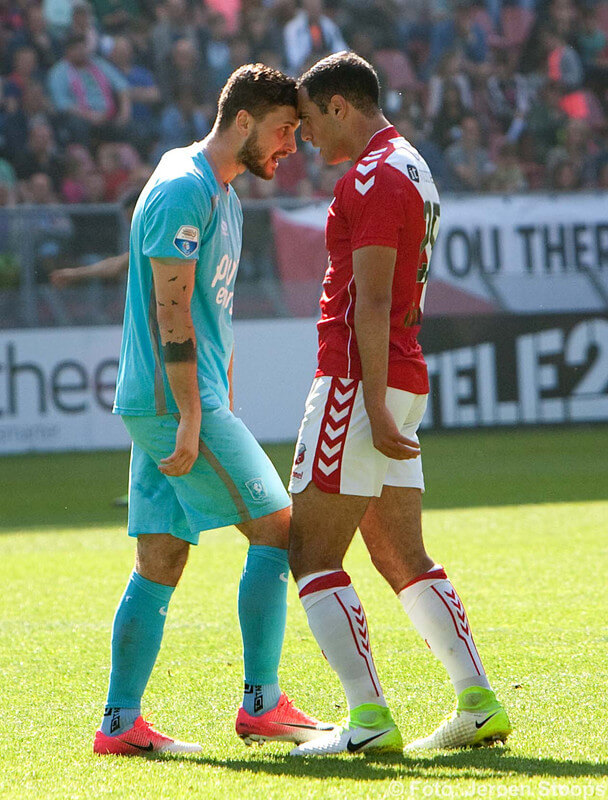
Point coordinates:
[(335, 448)]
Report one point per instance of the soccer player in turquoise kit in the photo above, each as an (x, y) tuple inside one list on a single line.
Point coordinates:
[(194, 465)]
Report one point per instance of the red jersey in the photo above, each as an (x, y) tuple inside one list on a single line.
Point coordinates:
[(387, 198)]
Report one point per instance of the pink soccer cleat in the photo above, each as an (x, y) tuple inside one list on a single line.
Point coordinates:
[(285, 723), (140, 740)]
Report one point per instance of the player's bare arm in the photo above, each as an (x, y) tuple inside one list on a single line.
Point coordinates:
[(373, 270), (174, 284), (108, 268)]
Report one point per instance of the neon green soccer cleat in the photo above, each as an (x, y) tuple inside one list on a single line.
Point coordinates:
[(478, 721), (370, 728)]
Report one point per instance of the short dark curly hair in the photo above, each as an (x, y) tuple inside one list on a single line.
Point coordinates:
[(257, 89), (346, 74)]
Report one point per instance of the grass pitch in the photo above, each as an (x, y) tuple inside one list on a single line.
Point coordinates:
[(518, 518)]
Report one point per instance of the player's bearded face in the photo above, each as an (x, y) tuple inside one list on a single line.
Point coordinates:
[(252, 156)]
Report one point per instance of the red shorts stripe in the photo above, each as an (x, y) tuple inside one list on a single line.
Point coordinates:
[(335, 580), (327, 464)]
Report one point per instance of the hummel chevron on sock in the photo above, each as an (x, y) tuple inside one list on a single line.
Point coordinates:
[(136, 637), (339, 625), (438, 615), (262, 608)]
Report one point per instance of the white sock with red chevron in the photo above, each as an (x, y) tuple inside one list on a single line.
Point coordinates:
[(338, 622), (438, 615)]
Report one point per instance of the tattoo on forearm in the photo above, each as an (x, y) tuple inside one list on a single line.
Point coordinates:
[(179, 351), (172, 279)]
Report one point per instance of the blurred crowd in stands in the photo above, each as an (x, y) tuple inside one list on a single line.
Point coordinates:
[(498, 96)]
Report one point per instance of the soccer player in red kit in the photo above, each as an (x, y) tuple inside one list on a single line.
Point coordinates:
[(357, 461)]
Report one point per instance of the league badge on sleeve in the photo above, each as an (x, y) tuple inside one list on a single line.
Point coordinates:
[(187, 240)]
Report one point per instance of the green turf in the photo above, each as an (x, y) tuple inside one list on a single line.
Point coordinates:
[(532, 575)]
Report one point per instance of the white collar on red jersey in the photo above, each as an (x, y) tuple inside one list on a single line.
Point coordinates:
[(373, 136)]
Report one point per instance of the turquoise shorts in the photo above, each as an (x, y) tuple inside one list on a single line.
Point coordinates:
[(232, 480)]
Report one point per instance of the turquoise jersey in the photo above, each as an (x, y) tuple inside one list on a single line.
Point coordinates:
[(183, 212)]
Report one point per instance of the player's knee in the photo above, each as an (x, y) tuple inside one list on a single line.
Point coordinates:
[(161, 560)]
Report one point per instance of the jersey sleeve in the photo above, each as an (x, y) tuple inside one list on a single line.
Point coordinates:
[(374, 204), (175, 219)]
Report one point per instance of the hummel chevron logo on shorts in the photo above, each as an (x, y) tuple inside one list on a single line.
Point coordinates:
[(332, 436)]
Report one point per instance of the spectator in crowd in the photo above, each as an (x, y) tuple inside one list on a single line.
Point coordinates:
[(78, 163), (508, 177), (114, 16), (563, 64), (555, 26), (445, 127), (182, 122), (83, 24), (25, 70), (508, 96), (40, 156), (564, 177), (591, 40), (50, 230), (230, 10), (380, 18), (310, 35), (217, 57), (578, 149), (34, 107), (450, 75), (532, 169), (174, 22), (469, 161), (140, 36), (38, 189), (144, 93), (58, 17), (459, 31), (183, 71), (35, 34), (495, 8), (11, 17), (92, 96), (546, 119), (116, 161), (592, 45), (263, 34)]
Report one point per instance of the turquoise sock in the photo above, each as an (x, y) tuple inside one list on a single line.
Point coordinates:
[(262, 613), (136, 636)]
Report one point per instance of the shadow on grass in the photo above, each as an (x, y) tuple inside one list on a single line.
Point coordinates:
[(474, 764)]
